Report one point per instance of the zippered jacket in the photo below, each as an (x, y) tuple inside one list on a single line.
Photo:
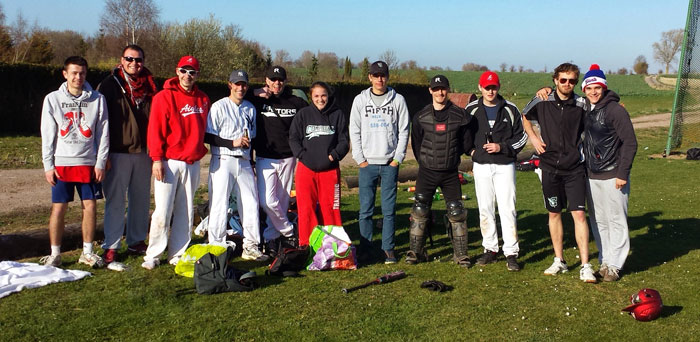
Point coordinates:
[(561, 127), (609, 143), (128, 124), (316, 134), (507, 131), (74, 129), (177, 123), (379, 134)]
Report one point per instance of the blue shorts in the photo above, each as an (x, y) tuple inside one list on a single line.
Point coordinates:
[(63, 192)]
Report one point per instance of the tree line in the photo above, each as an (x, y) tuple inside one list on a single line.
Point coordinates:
[(222, 48)]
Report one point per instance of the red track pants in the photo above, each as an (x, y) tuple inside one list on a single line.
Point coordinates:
[(317, 190)]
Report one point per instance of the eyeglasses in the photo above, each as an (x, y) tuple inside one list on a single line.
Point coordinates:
[(571, 81), (188, 71), (133, 59), (378, 75)]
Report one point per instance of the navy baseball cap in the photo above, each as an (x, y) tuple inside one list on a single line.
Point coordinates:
[(238, 76)]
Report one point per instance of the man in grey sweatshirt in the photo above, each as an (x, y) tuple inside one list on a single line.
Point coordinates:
[(74, 149), (379, 123)]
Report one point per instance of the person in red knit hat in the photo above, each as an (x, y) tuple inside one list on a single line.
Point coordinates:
[(176, 130)]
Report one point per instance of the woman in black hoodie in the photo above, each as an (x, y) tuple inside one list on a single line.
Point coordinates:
[(319, 139)]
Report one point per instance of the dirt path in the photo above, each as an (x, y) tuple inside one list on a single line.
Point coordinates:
[(21, 189)]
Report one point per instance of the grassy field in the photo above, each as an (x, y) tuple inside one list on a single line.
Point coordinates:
[(635, 94), (486, 303)]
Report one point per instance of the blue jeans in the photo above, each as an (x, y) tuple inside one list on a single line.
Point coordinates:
[(368, 179)]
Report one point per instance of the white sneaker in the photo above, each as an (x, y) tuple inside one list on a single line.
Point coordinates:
[(253, 253), (586, 274), (117, 266), (558, 266), (150, 264), (51, 260), (91, 259), (174, 260)]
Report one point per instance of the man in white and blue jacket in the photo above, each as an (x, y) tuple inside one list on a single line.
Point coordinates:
[(379, 124)]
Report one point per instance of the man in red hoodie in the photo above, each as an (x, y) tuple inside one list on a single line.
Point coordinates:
[(175, 141)]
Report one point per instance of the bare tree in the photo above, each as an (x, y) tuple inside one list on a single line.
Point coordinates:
[(282, 58), (474, 67), (622, 71), (667, 48), (304, 61), (503, 67), (129, 19), (641, 66), (409, 65), (389, 57), (520, 68)]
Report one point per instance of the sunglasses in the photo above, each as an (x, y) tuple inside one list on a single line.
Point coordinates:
[(188, 71), (570, 80), (276, 80), (133, 59)]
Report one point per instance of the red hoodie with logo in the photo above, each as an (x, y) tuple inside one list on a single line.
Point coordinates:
[(177, 123)]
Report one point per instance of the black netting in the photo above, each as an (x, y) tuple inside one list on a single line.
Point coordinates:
[(685, 128)]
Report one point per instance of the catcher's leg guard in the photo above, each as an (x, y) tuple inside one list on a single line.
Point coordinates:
[(457, 216), (419, 215)]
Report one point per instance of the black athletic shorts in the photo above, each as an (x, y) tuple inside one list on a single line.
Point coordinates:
[(560, 189)]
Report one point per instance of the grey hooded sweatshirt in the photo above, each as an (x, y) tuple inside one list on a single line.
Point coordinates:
[(379, 134), (74, 129)]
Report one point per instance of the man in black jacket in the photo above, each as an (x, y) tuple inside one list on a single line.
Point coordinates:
[(439, 137), (610, 145), (498, 137), (560, 118)]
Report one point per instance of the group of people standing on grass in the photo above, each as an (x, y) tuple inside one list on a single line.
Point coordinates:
[(263, 141)]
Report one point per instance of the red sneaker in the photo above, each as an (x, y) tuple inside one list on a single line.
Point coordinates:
[(110, 256), (138, 248)]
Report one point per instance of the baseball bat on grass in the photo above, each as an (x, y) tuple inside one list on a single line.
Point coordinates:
[(383, 279)]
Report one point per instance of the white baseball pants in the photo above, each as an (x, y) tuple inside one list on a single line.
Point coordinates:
[(227, 174), (275, 179), (174, 212), (495, 183)]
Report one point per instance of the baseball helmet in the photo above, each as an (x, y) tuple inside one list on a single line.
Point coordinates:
[(646, 305)]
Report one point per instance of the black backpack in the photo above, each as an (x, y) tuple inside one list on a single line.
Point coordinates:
[(213, 274), (693, 154), (289, 262)]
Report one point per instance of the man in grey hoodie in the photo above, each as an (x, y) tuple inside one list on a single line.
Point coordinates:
[(74, 149), (379, 123)]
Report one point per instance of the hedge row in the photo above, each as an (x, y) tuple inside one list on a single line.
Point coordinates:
[(24, 86)]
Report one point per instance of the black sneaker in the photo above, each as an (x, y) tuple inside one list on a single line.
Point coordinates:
[(390, 257), (487, 258), (512, 263), (272, 248)]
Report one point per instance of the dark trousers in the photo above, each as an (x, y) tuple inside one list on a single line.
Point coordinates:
[(448, 181)]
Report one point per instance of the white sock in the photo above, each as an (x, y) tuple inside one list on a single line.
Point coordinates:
[(87, 247), (55, 250)]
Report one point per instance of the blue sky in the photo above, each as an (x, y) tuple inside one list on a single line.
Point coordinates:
[(450, 33)]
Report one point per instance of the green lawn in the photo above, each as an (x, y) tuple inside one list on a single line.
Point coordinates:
[(487, 303)]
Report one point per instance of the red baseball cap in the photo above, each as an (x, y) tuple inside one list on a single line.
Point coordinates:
[(489, 78), (188, 61)]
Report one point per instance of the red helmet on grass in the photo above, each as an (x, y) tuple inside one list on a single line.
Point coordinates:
[(646, 305)]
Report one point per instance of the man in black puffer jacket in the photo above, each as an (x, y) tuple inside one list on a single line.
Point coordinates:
[(609, 145), (319, 138), (439, 137)]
